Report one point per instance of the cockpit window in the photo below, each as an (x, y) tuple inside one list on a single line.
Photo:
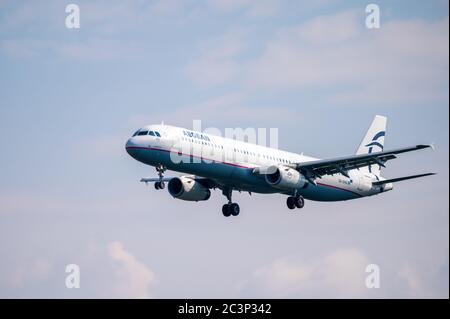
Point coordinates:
[(136, 133), (151, 133), (142, 133), (157, 134)]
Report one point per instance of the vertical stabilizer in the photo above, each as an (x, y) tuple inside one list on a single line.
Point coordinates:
[(373, 141)]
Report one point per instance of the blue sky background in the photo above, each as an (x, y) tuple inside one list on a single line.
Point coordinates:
[(69, 193)]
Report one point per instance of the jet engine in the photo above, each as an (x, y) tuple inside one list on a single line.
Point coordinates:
[(186, 188), (285, 178)]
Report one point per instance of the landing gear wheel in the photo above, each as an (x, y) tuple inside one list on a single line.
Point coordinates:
[(234, 209), (230, 208), (160, 185), (299, 202), (226, 211), (290, 202)]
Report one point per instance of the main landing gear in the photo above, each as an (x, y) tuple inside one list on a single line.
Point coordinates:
[(295, 202), (160, 184), (230, 209)]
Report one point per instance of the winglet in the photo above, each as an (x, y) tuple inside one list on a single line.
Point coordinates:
[(422, 146)]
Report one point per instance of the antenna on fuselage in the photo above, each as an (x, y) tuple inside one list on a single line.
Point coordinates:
[(162, 123)]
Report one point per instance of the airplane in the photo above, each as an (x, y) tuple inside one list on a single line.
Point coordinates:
[(214, 162)]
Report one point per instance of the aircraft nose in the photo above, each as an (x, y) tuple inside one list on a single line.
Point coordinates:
[(131, 147)]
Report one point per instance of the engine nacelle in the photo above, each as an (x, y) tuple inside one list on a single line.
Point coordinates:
[(186, 188), (387, 187), (285, 178)]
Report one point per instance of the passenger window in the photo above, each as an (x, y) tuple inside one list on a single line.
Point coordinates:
[(151, 133)]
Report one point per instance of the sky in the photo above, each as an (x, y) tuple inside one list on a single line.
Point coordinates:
[(70, 98)]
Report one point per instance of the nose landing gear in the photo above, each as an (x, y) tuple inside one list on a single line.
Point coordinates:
[(160, 184)]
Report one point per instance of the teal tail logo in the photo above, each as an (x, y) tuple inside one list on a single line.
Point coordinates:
[(375, 143)]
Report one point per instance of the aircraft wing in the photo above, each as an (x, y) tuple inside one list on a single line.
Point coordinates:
[(316, 169)]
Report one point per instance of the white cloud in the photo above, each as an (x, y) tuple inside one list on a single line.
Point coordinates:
[(325, 30), (340, 274), (133, 278), (106, 272), (168, 7), (424, 281), (209, 71), (102, 23), (253, 8), (217, 62), (221, 111), (403, 62), (99, 50), (413, 282), (12, 202), (102, 146), (23, 48), (93, 49), (228, 5), (25, 274)]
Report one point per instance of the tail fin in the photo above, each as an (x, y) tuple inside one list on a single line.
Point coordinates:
[(373, 142)]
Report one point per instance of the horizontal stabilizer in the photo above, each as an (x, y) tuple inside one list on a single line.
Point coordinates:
[(206, 182), (151, 180), (393, 180)]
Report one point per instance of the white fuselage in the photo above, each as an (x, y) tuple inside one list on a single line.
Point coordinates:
[(231, 162)]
